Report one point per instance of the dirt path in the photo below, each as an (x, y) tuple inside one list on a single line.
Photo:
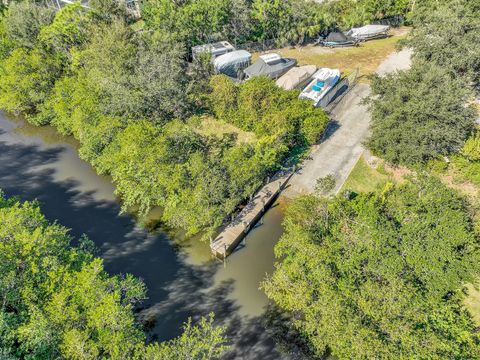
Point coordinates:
[(339, 152)]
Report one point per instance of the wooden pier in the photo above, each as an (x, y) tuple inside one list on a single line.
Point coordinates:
[(231, 235)]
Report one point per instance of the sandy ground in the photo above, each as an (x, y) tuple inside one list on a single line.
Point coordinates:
[(394, 62), (342, 147)]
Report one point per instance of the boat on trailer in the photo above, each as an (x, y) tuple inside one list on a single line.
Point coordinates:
[(296, 77), (323, 81), (369, 32), (271, 65), (232, 63), (337, 39)]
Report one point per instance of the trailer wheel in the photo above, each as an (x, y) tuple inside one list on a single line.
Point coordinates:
[(240, 75)]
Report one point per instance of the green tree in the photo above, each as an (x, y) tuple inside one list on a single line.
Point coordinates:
[(67, 31), (193, 21), (285, 21), (109, 10), (58, 302), (446, 34), (6, 44), (195, 343), (159, 76), (26, 78), (273, 18), (380, 276), (419, 115), (223, 100), (23, 22), (239, 22)]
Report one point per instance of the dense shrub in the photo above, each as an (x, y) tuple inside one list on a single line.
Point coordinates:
[(446, 34), (260, 106), (418, 115), (284, 21), (58, 302), (380, 276), (471, 149)]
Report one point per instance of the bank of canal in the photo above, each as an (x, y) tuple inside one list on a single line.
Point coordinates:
[(182, 281)]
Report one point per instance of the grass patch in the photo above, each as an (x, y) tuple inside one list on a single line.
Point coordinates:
[(210, 126), (472, 303), (364, 178), (138, 25), (367, 57)]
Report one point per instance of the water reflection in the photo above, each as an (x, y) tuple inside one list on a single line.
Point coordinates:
[(40, 164)]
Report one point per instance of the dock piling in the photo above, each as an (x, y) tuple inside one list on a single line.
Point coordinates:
[(224, 256)]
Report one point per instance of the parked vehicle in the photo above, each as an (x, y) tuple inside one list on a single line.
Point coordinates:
[(369, 32), (271, 65), (297, 77), (337, 39), (323, 81), (232, 63), (215, 49)]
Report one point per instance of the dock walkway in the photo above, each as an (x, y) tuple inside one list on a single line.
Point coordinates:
[(231, 235)]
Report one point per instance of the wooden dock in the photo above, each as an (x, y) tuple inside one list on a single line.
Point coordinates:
[(231, 235)]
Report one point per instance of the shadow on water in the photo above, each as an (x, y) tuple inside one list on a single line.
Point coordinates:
[(177, 288)]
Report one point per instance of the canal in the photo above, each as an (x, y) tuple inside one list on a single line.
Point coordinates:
[(182, 278)]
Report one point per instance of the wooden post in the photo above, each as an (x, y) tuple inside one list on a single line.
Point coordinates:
[(261, 220), (211, 240), (224, 256)]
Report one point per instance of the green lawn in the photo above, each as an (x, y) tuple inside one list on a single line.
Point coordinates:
[(366, 57), (210, 126), (364, 178)]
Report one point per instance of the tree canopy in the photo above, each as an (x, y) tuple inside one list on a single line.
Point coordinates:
[(380, 276), (283, 21), (419, 115), (422, 114), (138, 111), (58, 302), (447, 34)]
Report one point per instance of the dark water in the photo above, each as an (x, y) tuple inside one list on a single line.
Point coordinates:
[(37, 163)]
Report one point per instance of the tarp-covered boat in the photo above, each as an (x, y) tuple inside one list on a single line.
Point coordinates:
[(323, 81), (271, 65), (296, 77), (337, 39), (215, 49), (231, 63), (369, 32)]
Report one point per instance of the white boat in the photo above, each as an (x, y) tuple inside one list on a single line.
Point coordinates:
[(323, 81), (231, 63), (369, 32)]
